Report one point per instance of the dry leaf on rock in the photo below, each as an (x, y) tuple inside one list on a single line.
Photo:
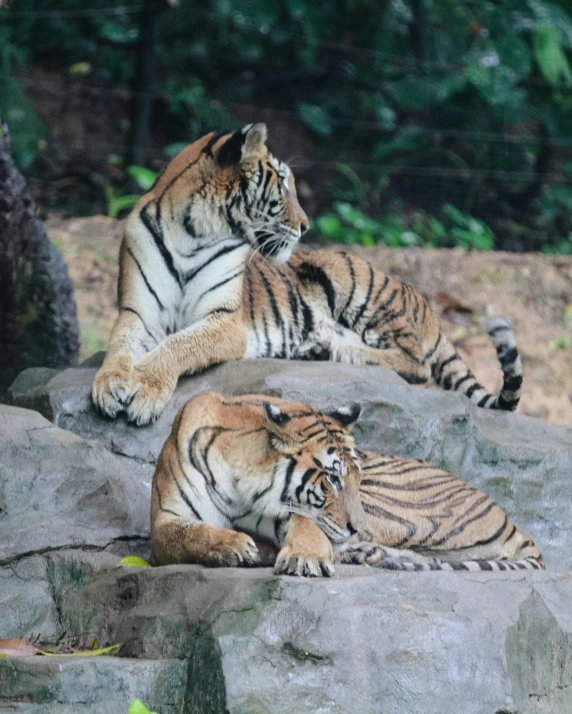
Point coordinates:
[(16, 648)]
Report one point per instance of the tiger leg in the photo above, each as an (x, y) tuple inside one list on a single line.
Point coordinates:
[(130, 340), (177, 541), (366, 552), (306, 550), (214, 339), (394, 358)]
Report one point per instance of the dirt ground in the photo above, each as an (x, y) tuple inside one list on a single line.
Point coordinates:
[(533, 291)]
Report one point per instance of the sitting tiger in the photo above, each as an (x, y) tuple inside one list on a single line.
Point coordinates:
[(206, 275), (255, 480), (256, 467)]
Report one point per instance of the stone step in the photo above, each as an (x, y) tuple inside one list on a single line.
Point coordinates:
[(94, 685), (364, 641)]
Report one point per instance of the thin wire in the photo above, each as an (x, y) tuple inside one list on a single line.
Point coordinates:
[(452, 172), (126, 93), (87, 12), (412, 64)]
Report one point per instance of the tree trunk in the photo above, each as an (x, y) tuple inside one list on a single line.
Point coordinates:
[(38, 323)]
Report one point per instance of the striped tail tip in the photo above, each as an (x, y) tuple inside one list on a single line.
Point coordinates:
[(470, 566), (503, 338)]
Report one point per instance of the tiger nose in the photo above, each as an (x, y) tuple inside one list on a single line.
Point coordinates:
[(350, 527), (304, 226)]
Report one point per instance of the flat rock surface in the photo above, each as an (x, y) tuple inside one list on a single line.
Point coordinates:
[(74, 498)]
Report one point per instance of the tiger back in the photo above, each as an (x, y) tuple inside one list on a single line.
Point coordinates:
[(252, 467), (329, 304), (422, 518)]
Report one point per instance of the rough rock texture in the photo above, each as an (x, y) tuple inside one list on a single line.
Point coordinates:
[(38, 322), (238, 641), (58, 490)]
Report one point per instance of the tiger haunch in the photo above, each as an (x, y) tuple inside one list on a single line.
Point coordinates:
[(422, 518), (330, 303)]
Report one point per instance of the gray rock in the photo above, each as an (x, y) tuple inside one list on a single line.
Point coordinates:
[(364, 641), (102, 685), (58, 490), (522, 462), (74, 498), (27, 608)]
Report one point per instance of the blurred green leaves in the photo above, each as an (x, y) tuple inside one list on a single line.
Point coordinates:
[(550, 55), (452, 228), (316, 118), (432, 102)]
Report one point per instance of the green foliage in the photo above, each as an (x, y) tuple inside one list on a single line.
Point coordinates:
[(143, 177), (453, 228), (118, 204), (137, 707), (550, 55), (26, 129), (430, 101)]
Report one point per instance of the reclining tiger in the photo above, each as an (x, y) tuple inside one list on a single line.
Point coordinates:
[(206, 275), (257, 480)]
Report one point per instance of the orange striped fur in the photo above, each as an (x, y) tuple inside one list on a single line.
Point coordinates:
[(207, 276)]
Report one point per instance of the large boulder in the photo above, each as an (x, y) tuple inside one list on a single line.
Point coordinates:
[(522, 462), (58, 490), (244, 641), (74, 498)]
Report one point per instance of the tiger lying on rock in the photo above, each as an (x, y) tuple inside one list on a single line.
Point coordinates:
[(192, 293), (247, 470), (254, 467)]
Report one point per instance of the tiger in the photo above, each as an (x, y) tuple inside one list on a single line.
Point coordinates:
[(207, 274), (422, 518), (258, 468), (255, 480)]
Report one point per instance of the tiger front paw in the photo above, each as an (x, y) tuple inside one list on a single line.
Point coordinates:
[(304, 560), (151, 390), (111, 391), (234, 549)]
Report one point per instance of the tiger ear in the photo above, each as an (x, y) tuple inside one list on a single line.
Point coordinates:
[(248, 143), (346, 416), (255, 136), (274, 415), (276, 421)]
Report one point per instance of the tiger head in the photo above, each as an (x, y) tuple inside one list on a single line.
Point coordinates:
[(321, 470), (229, 184)]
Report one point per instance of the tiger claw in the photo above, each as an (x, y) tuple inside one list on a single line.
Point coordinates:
[(302, 565)]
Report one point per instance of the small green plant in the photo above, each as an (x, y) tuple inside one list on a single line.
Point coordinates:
[(116, 204), (137, 707), (560, 343), (453, 228)]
